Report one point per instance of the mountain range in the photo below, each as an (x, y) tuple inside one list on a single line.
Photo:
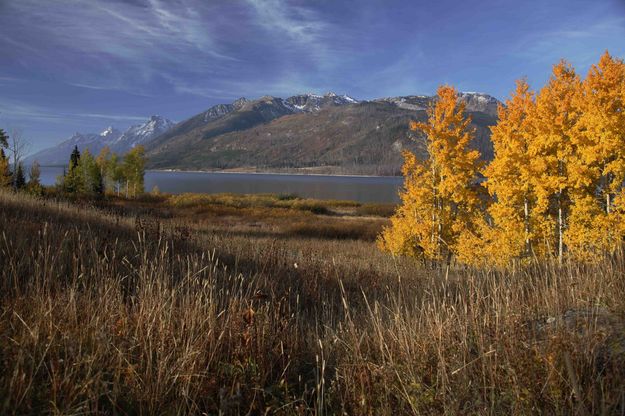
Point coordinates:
[(307, 133), (118, 141)]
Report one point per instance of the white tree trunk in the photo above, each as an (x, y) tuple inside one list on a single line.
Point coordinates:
[(560, 231), (526, 211)]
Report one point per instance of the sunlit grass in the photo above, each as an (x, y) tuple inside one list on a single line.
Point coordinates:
[(100, 313)]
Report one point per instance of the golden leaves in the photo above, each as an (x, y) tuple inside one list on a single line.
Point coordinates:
[(555, 186), (439, 195)]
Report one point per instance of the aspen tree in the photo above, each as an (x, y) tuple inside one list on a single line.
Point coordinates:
[(134, 170), (598, 172), (551, 151), (414, 229), (439, 199), (509, 177), (601, 128)]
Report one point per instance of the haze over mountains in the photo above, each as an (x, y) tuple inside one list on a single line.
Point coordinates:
[(307, 133), (116, 140)]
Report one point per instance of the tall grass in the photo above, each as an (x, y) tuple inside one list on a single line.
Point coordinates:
[(100, 314)]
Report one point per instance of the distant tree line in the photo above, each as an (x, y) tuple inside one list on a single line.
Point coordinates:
[(86, 175), (91, 176), (15, 178)]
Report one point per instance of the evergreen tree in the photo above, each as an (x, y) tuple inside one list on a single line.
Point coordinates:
[(20, 178), (4, 139), (74, 158), (72, 180), (440, 202)]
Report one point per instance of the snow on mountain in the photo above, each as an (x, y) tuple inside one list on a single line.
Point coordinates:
[(475, 101), (118, 142), (309, 102), (409, 102), (59, 154), (141, 134), (239, 112), (217, 111), (110, 134)]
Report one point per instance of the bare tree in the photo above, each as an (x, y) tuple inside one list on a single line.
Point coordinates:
[(18, 146)]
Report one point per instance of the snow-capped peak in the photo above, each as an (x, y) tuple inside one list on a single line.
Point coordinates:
[(140, 134), (478, 95), (310, 102), (110, 133), (478, 101)]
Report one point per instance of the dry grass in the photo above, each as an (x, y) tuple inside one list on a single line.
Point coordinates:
[(100, 313)]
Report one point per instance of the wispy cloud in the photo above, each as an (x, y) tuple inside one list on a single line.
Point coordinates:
[(17, 110), (127, 42), (297, 23), (10, 79), (227, 90), (574, 44), (137, 46), (301, 28)]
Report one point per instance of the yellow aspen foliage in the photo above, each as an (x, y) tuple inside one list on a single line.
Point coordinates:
[(598, 171), (556, 184), (509, 178), (552, 120), (413, 230), (480, 245), (601, 127), (589, 231), (439, 200)]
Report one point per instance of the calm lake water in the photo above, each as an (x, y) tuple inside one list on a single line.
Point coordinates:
[(355, 188)]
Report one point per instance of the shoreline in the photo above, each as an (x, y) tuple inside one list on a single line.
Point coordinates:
[(272, 173), (242, 172)]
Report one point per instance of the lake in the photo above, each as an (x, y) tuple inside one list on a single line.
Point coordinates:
[(355, 188)]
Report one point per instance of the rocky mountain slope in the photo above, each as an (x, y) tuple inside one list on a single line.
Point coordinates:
[(118, 141), (309, 133)]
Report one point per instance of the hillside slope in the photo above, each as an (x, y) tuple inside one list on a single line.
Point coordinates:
[(118, 141), (342, 137)]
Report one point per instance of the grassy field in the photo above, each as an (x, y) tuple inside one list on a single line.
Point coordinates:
[(277, 305)]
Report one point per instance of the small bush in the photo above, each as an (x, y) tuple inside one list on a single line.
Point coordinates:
[(377, 210), (338, 231), (287, 197)]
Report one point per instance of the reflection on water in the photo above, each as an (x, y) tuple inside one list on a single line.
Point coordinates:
[(356, 188)]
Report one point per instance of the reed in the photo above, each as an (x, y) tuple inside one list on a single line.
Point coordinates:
[(101, 314)]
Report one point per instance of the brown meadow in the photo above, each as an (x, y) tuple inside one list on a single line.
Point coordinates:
[(276, 305)]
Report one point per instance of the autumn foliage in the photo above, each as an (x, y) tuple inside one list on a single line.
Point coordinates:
[(554, 189)]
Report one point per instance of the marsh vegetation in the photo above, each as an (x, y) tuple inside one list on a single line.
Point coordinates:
[(222, 305)]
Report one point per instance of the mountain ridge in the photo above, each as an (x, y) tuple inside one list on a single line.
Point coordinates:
[(115, 139), (310, 133), (304, 133)]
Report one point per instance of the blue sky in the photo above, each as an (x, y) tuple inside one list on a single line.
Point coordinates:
[(81, 65)]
